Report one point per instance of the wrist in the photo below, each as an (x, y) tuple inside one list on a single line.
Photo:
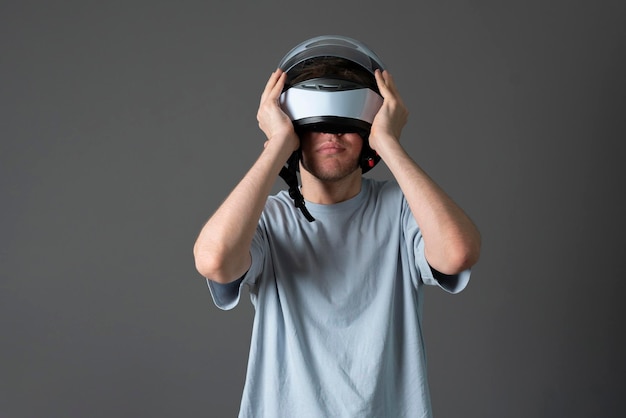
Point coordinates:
[(381, 143), (282, 144)]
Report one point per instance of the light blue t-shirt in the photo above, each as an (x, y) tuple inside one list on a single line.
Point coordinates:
[(337, 329)]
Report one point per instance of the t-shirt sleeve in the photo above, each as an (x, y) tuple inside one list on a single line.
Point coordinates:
[(227, 296), (450, 283)]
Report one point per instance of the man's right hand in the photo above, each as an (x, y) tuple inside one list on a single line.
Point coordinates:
[(275, 123)]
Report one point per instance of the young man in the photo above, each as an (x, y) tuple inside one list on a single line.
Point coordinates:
[(337, 295)]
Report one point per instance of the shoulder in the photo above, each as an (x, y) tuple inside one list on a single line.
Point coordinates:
[(386, 190), (279, 210), (279, 201)]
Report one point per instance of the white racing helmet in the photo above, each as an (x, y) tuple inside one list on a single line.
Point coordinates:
[(330, 87)]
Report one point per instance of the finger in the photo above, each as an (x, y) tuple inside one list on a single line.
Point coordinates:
[(271, 82), (389, 81), (387, 87), (379, 77), (277, 89), (268, 86), (382, 83)]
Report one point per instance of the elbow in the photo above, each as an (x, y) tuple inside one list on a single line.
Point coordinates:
[(466, 255), (458, 257), (207, 263), (465, 259), (215, 266), (204, 265)]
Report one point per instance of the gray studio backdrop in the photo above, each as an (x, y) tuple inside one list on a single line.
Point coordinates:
[(125, 124)]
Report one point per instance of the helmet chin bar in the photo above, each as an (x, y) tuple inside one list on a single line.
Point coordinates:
[(307, 104)]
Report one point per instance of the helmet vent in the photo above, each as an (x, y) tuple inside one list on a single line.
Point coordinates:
[(325, 84)]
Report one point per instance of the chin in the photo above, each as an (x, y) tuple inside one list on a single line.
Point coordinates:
[(333, 174)]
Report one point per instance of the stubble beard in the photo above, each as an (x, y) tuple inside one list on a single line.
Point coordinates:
[(331, 174)]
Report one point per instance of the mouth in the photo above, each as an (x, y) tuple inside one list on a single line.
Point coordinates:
[(330, 148)]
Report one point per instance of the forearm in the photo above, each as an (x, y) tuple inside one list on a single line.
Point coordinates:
[(222, 249), (452, 241)]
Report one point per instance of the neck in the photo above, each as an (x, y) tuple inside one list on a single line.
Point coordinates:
[(329, 192)]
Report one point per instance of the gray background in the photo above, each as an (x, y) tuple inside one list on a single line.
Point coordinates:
[(124, 124)]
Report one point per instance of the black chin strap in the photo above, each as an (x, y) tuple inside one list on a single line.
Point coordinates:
[(288, 173)]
